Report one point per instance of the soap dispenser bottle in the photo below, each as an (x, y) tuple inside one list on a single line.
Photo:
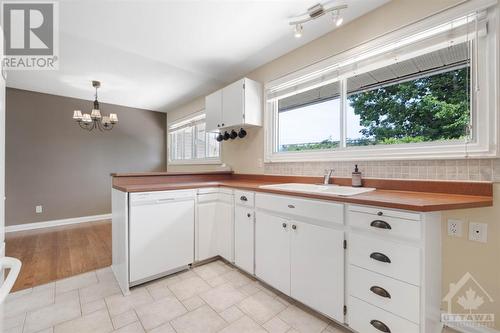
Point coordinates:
[(356, 177)]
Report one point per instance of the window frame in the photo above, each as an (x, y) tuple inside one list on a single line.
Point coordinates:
[(191, 119), (484, 143)]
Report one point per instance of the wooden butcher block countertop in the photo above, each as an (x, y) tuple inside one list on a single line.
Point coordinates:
[(414, 195)]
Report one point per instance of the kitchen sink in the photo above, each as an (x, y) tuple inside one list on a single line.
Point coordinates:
[(330, 189)]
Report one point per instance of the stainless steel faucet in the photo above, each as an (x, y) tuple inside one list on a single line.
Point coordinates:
[(328, 174)]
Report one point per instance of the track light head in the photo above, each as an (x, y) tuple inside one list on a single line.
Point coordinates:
[(297, 32)]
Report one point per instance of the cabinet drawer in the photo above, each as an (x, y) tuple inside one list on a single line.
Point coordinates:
[(385, 224), (326, 213), (398, 297), (244, 198), (386, 257), (364, 318), (385, 212)]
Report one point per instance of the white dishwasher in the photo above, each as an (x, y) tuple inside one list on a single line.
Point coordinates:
[(161, 233)]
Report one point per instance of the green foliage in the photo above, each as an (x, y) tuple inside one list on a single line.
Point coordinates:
[(325, 144), (426, 109)]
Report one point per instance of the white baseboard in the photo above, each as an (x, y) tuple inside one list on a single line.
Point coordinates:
[(55, 223), (465, 329)]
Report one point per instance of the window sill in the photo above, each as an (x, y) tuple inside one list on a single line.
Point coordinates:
[(401, 152), (195, 162)]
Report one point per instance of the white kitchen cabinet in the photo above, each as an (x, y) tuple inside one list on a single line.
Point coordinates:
[(244, 238), (272, 250), (206, 233), (300, 256), (214, 224), (236, 105), (394, 263), (225, 225), (213, 110), (317, 266)]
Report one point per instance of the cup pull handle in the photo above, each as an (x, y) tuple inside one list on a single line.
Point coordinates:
[(380, 224), (380, 257), (380, 326), (243, 198), (380, 292)]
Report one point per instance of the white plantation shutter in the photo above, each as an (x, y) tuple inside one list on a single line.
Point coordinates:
[(188, 140)]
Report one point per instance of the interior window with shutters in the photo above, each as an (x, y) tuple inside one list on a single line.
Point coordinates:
[(189, 143)]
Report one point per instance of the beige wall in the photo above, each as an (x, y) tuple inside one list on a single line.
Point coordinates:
[(50, 161), (245, 156)]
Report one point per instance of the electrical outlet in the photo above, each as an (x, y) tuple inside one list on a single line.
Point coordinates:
[(455, 228), (478, 232), (38, 209)]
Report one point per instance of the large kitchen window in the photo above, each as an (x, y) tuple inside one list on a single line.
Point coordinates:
[(428, 93), (189, 143)]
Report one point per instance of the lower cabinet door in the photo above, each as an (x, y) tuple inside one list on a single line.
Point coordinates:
[(272, 251), (225, 227), (317, 268), (207, 231), (244, 238)]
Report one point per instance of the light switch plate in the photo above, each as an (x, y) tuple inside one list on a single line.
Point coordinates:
[(478, 232), (38, 209), (455, 228)]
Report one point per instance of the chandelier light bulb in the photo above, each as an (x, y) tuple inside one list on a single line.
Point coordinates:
[(298, 31)]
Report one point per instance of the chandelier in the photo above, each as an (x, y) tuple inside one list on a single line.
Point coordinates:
[(94, 119)]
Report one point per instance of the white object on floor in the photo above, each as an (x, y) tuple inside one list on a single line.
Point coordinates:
[(15, 267)]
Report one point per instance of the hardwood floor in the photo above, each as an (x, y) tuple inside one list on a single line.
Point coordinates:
[(54, 253)]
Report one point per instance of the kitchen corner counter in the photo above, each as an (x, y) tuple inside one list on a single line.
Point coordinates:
[(420, 196)]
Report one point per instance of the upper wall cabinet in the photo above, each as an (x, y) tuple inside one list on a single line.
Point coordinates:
[(238, 104)]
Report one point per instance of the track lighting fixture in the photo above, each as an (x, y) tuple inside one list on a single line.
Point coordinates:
[(313, 13)]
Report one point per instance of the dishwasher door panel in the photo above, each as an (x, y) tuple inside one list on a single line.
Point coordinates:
[(161, 238)]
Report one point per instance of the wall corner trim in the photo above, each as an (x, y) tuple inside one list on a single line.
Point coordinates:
[(55, 223)]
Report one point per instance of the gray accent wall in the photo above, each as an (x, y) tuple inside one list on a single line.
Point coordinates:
[(51, 162)]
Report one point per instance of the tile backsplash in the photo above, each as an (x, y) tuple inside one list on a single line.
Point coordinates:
[(460, 169)]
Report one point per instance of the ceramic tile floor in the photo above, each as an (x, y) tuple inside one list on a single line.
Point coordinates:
[(214, 297)]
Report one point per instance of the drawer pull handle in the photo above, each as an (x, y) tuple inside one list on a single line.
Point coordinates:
[(284, 225), (294, 227), (380, 257), (380, 326), (243, 198), (380, 291), (380, 224), (249, 215), (291, 206), (380, 213)]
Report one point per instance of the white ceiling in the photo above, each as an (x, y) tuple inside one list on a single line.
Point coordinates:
[(160, 54)]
